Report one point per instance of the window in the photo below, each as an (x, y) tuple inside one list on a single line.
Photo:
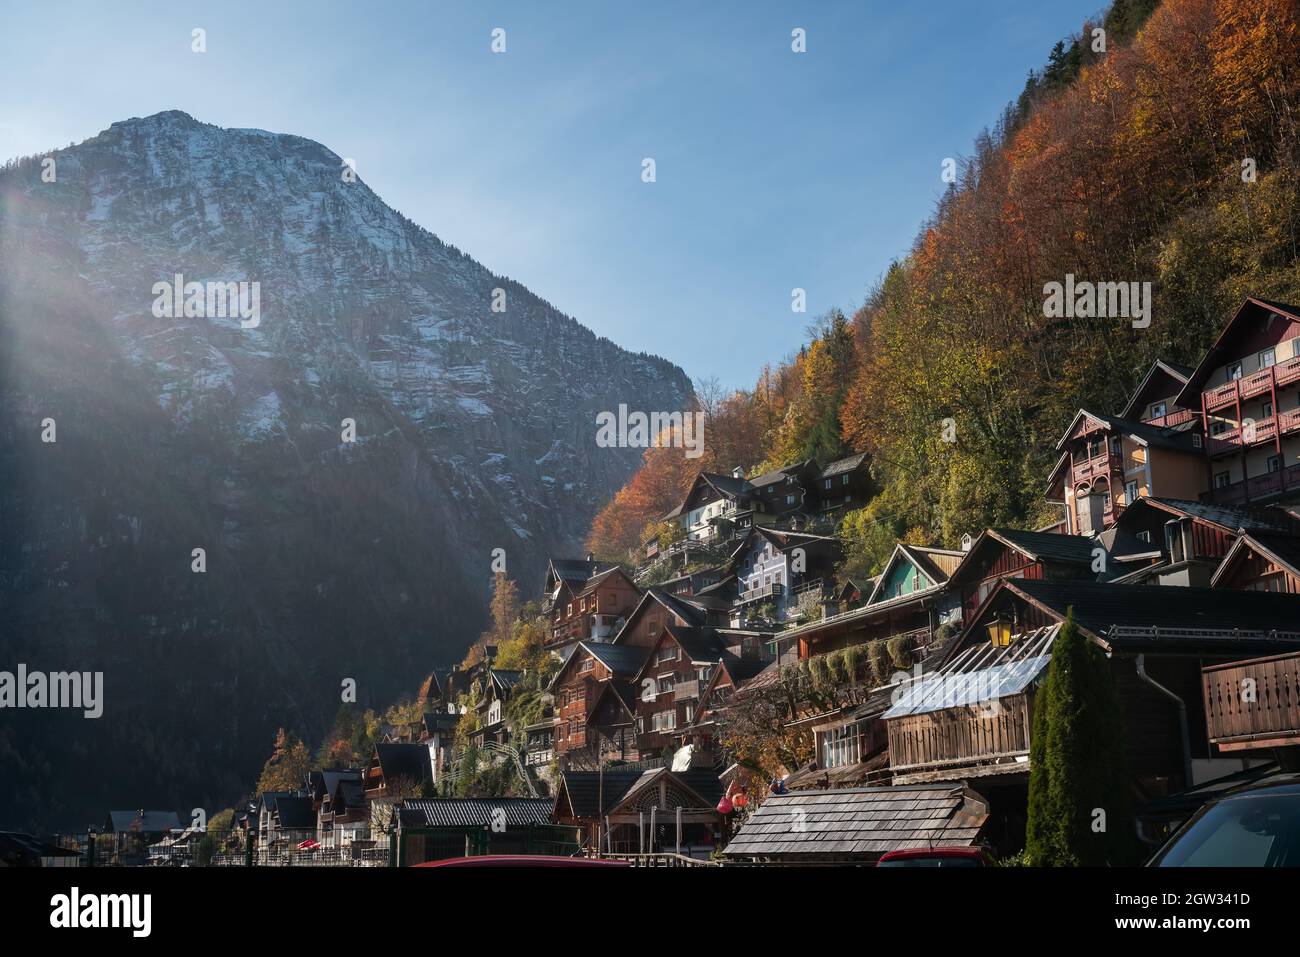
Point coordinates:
[(789, 500), (1105, 500), (1267, 358), (840, 747), (1157, 409), (587, 665), (1221, 480), (1130, 492), (1114, 445), (667, 683), (828, 483), (1234, 371), (844, 479), (664, 720), (1218, 426), (570, 609), (667, 653), (1144, 536), (1274, 463), (1196, 440)]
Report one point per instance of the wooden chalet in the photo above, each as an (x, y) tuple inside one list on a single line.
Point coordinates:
[(971, 719), (1178, 542), (1261, 561), (344, 813), (638, 810), (909, 599), (1247, 389), (679, 667), (842, 486), (858, 825), (593, 610), (1002, 553), (496, 688), (397, 770), (577, 688)]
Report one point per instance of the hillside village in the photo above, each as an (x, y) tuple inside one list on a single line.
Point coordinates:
[(667, 707)]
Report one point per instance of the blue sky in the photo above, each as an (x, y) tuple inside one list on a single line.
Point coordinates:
[(775, 170)]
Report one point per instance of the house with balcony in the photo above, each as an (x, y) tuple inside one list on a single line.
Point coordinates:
[(496, 687), (1252, 707), (910, 600), (717, 507), (782, 575), (593, 610), (971, 719), (1247, 389), (577, 688), (1107, 464), (1261, 561)]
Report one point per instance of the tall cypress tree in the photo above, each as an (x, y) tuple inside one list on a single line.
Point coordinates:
[(1079, 808)]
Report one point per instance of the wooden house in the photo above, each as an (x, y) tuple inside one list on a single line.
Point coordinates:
[(841, 486), (396, 771), (1252, 707), (594, 610), (971, 719), (638, 810), (1261, 561), (1247, 389), (577, 688), (1002, 553)]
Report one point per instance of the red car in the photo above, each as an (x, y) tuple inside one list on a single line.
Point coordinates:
[(522, 860), (936, 857)]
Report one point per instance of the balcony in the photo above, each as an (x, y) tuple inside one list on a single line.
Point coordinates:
[(1255, 487), (1099, 465), (687, 690), (1266, 430), (1272, 719), (1257, 383), (760, 593), (1172, 420)]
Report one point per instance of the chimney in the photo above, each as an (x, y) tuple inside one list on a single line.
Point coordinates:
[(738, 472)]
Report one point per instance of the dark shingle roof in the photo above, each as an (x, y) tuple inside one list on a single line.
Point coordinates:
[(586, 788), (1101, 607), (622, 660), (1076, 549), (475, 812), (843, 465), (700, 644), (1233, 517), (688, 611), (294, 813), (403, 760), (146, 822), (860, 823)]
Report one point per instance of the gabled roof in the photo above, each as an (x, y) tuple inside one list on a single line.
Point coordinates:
[(574, 571), (840, 466), (1037, 546), (476, 812), (1141, 432), (702, 645), (1221, 352), (726, 486), (1231, 518), (591, 793), (623, 692), (144, 822), (601, 578), (504, 679), (1179, 374), (1281, 549), (688, 610), (936, 564), (623, 661), (403, 760), (294, 813), (860, 823)]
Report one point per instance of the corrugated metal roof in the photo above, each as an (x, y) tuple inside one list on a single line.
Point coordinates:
[(475, 812)]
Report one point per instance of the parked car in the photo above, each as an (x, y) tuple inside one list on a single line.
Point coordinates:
[(936, 857), (1255, 825), (522, 860)]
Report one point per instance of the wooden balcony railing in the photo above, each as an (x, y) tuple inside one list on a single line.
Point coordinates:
[(1172, 419), (1098, 465), (1253, 704), (760, 592), (932, 745), (1255, 487), (1257, 383)]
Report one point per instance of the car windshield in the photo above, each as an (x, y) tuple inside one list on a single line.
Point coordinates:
[(1247, 831), (931, 862)]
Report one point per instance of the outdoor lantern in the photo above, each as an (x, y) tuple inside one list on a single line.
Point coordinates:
[(739, 801), (999, 632), (724, 806)]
